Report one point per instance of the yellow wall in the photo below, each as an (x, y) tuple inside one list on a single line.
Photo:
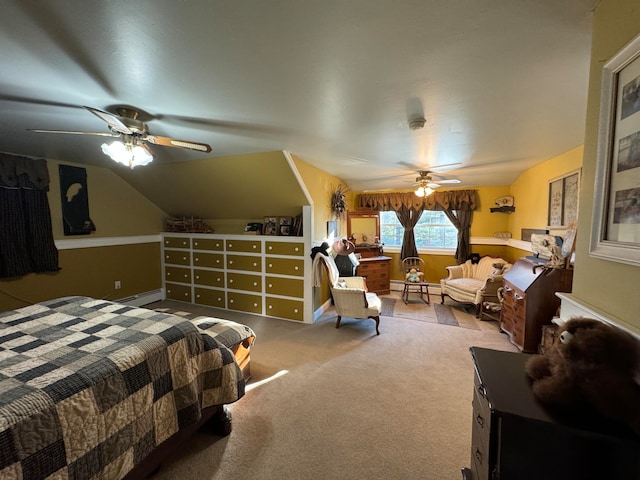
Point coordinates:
[(531, 191), (116, 208), (606, 285)]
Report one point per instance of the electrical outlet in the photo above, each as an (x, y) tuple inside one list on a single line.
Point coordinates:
[(118, 284)]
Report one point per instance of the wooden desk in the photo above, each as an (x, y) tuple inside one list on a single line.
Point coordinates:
[(377, 273)]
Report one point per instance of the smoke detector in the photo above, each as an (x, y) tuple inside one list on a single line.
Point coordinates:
[(417, 123)]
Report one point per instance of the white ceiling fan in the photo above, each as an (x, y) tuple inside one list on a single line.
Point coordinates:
[(425, 183), (132, 150)]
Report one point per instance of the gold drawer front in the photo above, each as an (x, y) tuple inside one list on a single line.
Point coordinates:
[(242, 281), (249, 246), (177, 242), (285, 248), (178, 292), (214, 260), (208, 244), (244, 302), (213, 298), (283, 308), (177, 274), (211, 278), (244, 262), (291, 287), (177, 257), (285, 266)]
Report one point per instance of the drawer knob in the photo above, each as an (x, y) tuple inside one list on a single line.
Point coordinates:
[(255, 264), (270, 265), (296, 268), (197, 277), (231, 245), (270, 247), (168, 274), (297, 249), (230, 262), (231, 300), (186, 294), (481, 391), (295, 310), (254, 247), (231, 280), (255, 284), (270, 285), (270, 307), (480, 420), (255, 305), (184, 258), (197, 295)]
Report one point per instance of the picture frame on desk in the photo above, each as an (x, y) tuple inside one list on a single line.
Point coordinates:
[(615, 231)]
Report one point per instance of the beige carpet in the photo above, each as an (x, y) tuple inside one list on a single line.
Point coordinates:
[(327, 403)]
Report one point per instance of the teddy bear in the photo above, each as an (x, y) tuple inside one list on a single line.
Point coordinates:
[(414, 276), (592, 366)]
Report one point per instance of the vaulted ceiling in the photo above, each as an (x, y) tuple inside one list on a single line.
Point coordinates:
[(502, 84)]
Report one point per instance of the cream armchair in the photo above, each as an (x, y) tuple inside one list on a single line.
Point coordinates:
[(475, 283), (350, 295), (352, 300)]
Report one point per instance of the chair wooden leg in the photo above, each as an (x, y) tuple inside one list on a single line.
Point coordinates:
[(338, 322), (479, 310), (377, 320), (442, 298)]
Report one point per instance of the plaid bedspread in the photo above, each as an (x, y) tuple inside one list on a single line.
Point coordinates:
[(88, 388)]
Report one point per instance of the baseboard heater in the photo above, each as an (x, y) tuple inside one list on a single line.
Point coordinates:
[(142, 298)]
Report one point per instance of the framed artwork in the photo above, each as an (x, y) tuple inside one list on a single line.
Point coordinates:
[(563, 200), (270, 226), (285, 230), (615, 231)]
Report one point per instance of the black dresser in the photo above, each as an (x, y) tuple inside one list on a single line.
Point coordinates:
[(515, 438)]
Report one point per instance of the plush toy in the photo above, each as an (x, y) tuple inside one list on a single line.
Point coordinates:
[(414, 276), (591, 366)]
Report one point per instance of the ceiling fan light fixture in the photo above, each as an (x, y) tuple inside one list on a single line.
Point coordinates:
[(417, 123), (127, 154), (423, 191)]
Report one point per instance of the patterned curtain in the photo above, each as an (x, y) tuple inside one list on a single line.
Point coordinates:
[(26, 239)]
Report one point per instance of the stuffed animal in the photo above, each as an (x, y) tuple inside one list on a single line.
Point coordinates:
[(591, 366), (414, 276)]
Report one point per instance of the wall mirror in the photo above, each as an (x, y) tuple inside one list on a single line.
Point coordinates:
[(363, 227)]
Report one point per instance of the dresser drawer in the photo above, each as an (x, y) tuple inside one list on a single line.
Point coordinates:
[(177, 242), (177, 257), (211, 297), (208, 244), (244, 262), (243, 281), (177, 274), (285, 248), (178, 292), (377, 268), (244, 302), (211, 278), (285, 266), (213, 260), (249, 246), (290, 287), (284, 308)]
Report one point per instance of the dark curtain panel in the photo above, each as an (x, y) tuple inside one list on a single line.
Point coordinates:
[(408, 218), (461, 219), (26, 239)]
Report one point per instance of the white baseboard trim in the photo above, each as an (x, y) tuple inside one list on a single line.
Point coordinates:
[(321, 309), (144, 298)]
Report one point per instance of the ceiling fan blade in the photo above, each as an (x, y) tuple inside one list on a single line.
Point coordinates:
[(450, 181), (112, 120), (71, 132), (172, 142)]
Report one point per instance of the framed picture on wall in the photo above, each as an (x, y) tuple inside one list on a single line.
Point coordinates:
[(615, 231), (564, 193)]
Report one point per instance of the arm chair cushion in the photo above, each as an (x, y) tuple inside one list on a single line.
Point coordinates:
[(475, 283)]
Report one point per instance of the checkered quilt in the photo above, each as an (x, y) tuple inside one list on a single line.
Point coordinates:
[(88, 388)]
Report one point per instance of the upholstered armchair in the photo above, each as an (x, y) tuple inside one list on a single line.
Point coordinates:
[(352, 300), (475, 283)]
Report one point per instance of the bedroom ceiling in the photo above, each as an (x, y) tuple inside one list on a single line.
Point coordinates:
[(502, 83)]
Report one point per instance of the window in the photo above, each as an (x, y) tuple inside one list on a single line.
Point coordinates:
[(433, 230)]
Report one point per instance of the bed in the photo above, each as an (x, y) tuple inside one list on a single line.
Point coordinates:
[(96, 389)]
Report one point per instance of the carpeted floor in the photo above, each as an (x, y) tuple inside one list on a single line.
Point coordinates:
[(345, 403), (450, 314)]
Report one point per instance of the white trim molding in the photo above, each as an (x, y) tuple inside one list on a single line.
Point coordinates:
[(105, 241)]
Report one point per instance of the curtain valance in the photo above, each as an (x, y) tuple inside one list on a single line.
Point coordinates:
[(449, 200), (22, 172)]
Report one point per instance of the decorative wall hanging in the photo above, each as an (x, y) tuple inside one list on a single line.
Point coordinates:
[(615, 231), (564, 194), (338, 201), (75, 201)]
